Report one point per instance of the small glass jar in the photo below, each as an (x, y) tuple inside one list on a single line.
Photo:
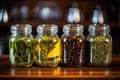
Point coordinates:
[(73, 42), (21, 45), (99, 45), (47, 46)]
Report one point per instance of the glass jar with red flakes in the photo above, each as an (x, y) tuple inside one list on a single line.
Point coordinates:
[(73, 42)]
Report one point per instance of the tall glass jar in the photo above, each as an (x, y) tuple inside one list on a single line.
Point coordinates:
[(73, 42), (47, 46), (99, 45), (21, 45)]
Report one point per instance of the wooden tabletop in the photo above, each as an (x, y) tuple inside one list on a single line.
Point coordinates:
[(111, 72)]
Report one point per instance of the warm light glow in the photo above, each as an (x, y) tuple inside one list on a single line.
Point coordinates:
[(57, 71), (12, 72)]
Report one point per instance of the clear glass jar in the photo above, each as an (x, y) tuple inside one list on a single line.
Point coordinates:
[(73, 42), (99, 45), (21, 45), (47, 46)]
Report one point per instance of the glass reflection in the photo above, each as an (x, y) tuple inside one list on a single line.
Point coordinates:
[(90, 72), (29, 72), (12, 71), (80, 72), (57, 71), (107, 72), (39, 72), (65, 72)]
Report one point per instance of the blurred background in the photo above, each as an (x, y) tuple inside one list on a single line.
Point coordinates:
[(59, 12)]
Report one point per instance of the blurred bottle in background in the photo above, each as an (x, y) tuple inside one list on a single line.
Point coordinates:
[(47, 10), (24, 12), (1, 15), (19, 12), (75, 15), (14, 12), (98, 15), (5, 15)]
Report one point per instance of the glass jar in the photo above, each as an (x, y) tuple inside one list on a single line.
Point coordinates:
[(73, 42), (99, 45), (47, 46), (21, 45)]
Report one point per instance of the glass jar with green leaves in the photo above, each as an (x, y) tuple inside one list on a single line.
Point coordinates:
[(47, 46), (99, 45), (21, 45)]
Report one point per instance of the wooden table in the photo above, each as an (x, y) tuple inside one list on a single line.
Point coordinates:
[(111, 72)]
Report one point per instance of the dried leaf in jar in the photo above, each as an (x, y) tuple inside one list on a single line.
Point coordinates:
[(99, 50), (47, 51), (22, 50), (73, 51)]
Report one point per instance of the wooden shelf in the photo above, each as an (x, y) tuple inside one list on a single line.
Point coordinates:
[(111, 72)]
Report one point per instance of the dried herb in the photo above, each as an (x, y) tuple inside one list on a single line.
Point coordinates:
[(73, 51), (44, 47), (21, 51), (99, 50)]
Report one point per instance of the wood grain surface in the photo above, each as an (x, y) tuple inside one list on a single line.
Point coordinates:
[(7, 72)]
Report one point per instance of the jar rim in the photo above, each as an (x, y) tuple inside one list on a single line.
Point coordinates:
[(47, 27), (68, 27), (21, 27), (99, 27)]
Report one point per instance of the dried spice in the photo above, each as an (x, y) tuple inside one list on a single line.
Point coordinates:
[(73, 51), (22, 51), (99, 50), (47, 51)]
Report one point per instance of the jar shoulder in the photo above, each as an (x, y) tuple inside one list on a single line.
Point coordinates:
[(98, 37)]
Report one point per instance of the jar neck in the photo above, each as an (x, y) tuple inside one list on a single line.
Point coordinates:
[(96, 29), (52, 34), (99, 33), (68, 33), (21, 33), (21, 30), (47, 29), (73, 29)]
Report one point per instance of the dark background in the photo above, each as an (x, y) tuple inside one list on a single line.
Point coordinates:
[(110, 7)]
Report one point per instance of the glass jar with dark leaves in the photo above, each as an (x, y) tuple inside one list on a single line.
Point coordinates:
[(99, 45), (47, 46), (73, 42), (21, 45)]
